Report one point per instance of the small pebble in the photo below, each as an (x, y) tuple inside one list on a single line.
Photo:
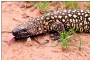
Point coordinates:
[(29, 42), (51, 35)]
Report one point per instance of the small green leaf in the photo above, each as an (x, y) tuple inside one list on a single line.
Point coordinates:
[(56, 45), (33, 3), (79, 45)]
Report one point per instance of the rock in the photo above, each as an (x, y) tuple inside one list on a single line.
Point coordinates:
[(29, 42)]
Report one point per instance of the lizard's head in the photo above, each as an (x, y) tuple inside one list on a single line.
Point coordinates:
[(24, 30)]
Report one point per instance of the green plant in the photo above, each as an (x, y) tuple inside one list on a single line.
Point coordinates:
[(87, 5), (66, 4), (43, 8), (72, 4), (79, 47), (65, 37)]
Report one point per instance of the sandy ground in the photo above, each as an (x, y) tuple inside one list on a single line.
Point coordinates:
[(12, 15)]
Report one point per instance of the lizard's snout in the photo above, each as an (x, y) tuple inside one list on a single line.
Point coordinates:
[(14, 32)]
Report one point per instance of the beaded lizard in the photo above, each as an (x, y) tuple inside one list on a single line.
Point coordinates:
[(54, 21)]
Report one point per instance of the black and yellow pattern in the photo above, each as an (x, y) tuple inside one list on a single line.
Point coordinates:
[(69, 18), (57, 21)]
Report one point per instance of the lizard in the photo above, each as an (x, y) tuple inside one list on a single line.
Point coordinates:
[(54, 21)]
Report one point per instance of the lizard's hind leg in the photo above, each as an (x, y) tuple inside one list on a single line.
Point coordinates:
[(58, 27)]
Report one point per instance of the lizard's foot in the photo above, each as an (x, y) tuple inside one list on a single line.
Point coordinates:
[(55, 36)]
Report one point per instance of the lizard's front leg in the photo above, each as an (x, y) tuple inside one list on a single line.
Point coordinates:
[(58, 27)]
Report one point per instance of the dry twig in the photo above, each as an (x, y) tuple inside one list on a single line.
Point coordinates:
[(68, 56), (79, 53)]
